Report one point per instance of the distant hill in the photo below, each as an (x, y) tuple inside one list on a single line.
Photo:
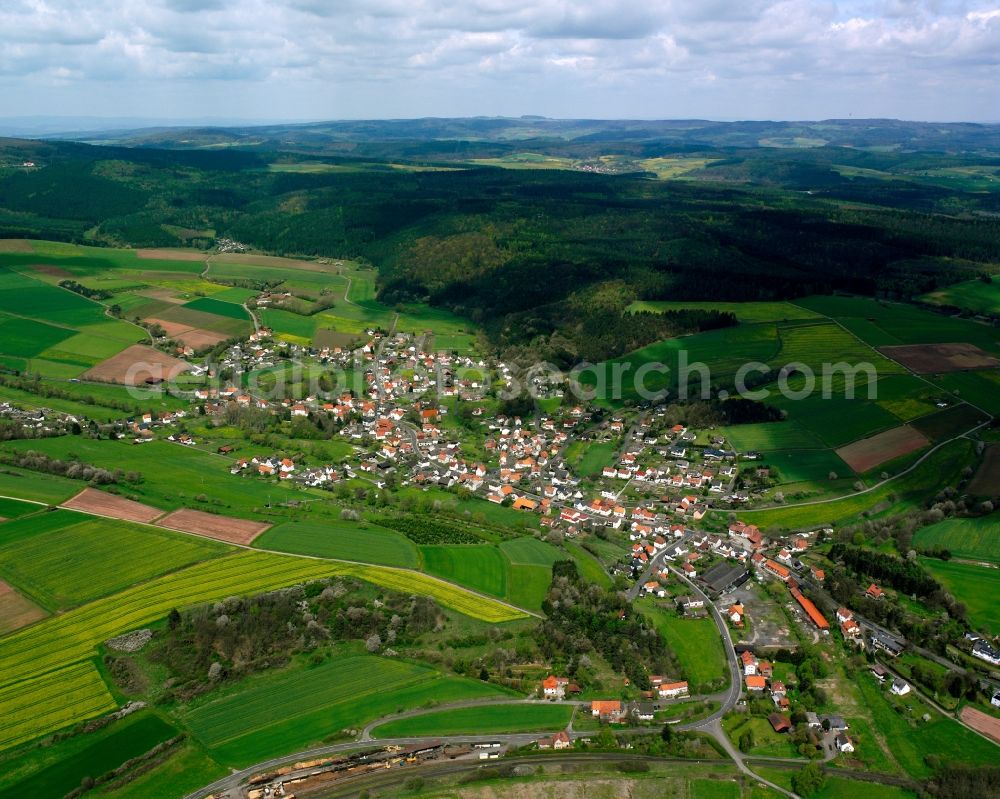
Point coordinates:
[(507, 134)]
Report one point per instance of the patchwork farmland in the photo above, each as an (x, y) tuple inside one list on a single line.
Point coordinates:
[(70, 578)]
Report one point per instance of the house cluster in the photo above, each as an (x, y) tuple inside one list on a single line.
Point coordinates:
[(758, 678), (554, 687), (658, 457), (284, 468), (849, 627), (143, 428), (42, 421), (897, 685)]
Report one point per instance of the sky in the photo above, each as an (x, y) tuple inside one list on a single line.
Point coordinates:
[(933, 60)]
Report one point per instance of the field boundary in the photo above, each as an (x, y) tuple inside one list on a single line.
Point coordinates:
[(870, 488), (365, 566)]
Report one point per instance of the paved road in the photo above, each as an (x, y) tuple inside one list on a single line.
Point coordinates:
[(735, 673)]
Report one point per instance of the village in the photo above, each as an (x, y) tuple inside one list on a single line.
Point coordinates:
[(411, 416)]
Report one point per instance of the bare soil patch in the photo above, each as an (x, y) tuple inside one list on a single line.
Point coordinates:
[(15, 610), (334, 338), (986, 724), (51, 271), (935, 358), (197, 339), (164, 295), (986, 481), (210, 525), (165, 254), (136, 366), (15, 245), (90, 500), (191, 336), (173, 329), (873, 451)]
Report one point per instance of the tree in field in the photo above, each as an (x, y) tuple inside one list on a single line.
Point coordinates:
[(809, 780)]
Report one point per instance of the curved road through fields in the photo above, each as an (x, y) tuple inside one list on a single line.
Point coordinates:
[(227, 786)]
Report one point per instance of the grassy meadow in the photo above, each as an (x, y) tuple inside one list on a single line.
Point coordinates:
[(542, 717), (973, 539), (974, 586), (318, 702)]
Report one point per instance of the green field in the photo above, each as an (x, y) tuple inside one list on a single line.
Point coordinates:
[(50, 330), (767, 742), (74, 558), (528, 584), (67, 642), (530, 551), (445, 593), (723, 351), (479, 566), (592, 458), (951, 422), (911, 742), (345, 540), (486, 719), (188, 770), (12, 508), (218, 307), (974, 586), (940, 469), (48, 488), (129, 738), (27, 338), (836, 420), (52, 701), (805, 465), (898, 323), (827, 343), (981, 389), (715, 789), (345, 692), (771, 436), (974, 539), (973, 295), (173, 475), (589, 566), (694, 642), (746, 312)]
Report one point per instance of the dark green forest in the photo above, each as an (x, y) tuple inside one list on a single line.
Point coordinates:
[(548, 258)]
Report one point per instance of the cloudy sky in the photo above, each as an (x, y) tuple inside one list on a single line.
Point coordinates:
[(325, 59)]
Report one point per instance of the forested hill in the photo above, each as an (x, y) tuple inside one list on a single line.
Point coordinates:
[(456, 137), (545, 258)]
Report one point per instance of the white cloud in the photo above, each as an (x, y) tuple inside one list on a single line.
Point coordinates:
[(315, 58)]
